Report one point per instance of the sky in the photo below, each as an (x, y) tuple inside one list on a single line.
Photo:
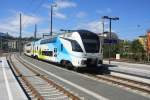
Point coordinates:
[(134, 16)]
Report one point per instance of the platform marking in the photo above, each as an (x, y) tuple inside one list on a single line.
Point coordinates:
[(89, 92), (6, 82)]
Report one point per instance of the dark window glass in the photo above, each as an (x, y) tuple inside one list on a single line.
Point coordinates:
[(28, 44), (75, 46), (28, 51), (61, 47), (47, 53), (52, 40), (90, 41), (55, 50)]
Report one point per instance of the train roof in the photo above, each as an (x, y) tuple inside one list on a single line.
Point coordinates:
[(82, 32), (79, 31)]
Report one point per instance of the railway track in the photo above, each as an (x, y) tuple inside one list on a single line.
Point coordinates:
[(36, 85), (132, 84), (125, 82)]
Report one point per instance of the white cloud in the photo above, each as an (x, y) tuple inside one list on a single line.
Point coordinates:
[(46, 31), (11, 24), (61, 4), (94, 26), (28, 20), (60, 15), (104, 11), (81, 15)]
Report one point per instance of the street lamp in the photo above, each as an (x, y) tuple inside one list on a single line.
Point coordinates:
[(110, 18), (52, 5)]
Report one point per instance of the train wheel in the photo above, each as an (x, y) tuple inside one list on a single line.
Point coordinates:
[(63, 63), (36, 57), (69, 66)]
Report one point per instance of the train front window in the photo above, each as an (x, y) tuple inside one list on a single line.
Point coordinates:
[(91, 46), (90, 41), (75, 46)]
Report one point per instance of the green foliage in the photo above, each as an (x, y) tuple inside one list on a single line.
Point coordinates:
[(113, 50), (137, 50), (137, 47), (127, 49)]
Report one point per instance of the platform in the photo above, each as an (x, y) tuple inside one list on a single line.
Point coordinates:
[(140, 70), (9, 87)]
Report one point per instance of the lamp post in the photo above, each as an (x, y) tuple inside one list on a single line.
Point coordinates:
[(51, 31), (102, 39), (110, 19)]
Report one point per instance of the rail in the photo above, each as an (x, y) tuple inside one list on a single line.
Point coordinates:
[(136, 85), (33, 90), (31, 87)]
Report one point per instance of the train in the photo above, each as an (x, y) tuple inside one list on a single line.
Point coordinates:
[(75, 49)]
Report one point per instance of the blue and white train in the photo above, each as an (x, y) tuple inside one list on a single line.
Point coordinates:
[(80, 48)]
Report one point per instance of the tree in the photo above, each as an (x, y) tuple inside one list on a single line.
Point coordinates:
[(137, 50)]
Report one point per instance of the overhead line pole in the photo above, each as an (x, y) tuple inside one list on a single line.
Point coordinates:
[(102, 45), (20, 42), (35, 32), (51, 21), (51, 28), (110, 44)]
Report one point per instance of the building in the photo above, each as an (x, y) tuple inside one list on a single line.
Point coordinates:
[(143, 41), (106, 38), (13, 45)]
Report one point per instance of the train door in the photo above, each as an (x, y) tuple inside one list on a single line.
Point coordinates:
[(55, 54)]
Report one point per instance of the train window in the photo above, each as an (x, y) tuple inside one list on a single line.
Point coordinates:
[(69, 34), (90, 41), (28, 51), (55, 49), (47, 53), (61, 47), (52, 40), (28, 44), (75, 46)]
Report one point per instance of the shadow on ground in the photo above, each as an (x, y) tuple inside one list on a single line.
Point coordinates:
[(96, 70)]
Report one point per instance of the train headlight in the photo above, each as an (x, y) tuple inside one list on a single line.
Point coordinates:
[(83, 62)]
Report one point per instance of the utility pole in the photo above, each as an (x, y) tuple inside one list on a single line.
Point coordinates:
[(103, 26), (51, 31), (7, 43), (110, 40), (35, 32), (20, 42), (51, 21), (102, 41)]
